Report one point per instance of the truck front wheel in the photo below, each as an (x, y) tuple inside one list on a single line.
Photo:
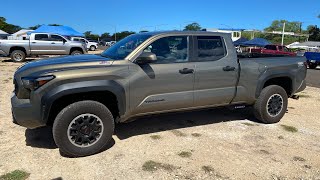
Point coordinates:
[(83, 128), (271, 105), (18, 56)]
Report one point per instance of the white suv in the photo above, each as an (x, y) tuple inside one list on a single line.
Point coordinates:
[(92, 46)]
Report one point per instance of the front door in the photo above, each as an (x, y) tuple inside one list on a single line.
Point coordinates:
[(166, 84), (216, 71)]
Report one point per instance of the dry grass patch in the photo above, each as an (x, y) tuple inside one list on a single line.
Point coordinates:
[(297, 158), (15, 175), (289, 128), (153, 166), (185, 154), (196, 134), (250, 124), (178, 133), (155, 137)]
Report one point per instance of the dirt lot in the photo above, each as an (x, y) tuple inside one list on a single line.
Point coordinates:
[(208, 144)]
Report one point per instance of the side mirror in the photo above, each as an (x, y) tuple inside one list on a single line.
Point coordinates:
[(146, 57)]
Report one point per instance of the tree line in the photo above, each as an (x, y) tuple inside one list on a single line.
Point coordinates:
[(277, 25)]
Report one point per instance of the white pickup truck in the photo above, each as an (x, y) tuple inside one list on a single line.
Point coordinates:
[(40, 44), (92, 46)]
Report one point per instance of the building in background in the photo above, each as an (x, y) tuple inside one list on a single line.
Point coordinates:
[(20, 35), (235, 33), (3, 35)]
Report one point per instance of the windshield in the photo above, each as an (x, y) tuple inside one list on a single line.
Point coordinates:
[(123, 48)]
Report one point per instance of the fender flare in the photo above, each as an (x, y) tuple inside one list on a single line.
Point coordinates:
[(270, 75), (81, 87)]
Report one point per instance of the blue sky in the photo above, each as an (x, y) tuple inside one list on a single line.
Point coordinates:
[(104, 15)]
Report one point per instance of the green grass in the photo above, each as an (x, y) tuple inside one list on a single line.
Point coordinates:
[(289, 128), (15, 175), (155, 137), (185, 154), (152, 166), (196, 134)]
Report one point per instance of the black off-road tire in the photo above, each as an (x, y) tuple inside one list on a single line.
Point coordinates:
[(63, 121), (76, 52), (260, 107), (312, 66), (92, 48), (18, 56)]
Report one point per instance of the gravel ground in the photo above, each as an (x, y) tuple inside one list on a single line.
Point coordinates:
[(208, 144)]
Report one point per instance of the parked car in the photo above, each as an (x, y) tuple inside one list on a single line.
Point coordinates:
[(272, 50), (83, 97), (110, 43), (92, 46), (40, 44), (313, 59)]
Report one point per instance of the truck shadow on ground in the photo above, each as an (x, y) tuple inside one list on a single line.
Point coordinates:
[(174, 121), (42, 137)]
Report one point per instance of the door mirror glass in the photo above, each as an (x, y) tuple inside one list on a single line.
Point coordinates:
[(146, 57)]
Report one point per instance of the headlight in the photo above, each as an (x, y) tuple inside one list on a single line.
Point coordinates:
[(33, 83)]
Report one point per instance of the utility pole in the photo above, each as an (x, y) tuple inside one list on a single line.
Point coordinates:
[(284, 27), (300, 30)]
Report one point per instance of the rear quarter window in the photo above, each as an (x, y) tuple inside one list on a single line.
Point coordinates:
[(210, 48)]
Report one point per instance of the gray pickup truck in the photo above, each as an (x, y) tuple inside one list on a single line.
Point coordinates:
[(84, 96), (40, 44)]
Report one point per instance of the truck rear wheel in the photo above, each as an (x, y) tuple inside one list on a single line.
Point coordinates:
[(76, 52), (312, 65), (83, 128), (18, 56), (271, 105)]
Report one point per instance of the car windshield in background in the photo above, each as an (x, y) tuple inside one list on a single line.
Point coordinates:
[(124, 47)]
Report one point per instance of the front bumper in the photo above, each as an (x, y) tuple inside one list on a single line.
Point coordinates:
[(25, 114)]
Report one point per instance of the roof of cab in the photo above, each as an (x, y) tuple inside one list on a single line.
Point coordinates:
[(154, 33)]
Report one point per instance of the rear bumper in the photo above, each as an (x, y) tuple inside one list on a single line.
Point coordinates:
[(25, 114), (302, 86)]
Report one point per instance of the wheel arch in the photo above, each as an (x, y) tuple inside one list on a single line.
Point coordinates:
[(17, 48), (284, 80), (107, 92), (76, 49)]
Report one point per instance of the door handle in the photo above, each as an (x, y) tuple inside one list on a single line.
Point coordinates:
[(53, 43), (229, 68), (186, 71), (33, 42)]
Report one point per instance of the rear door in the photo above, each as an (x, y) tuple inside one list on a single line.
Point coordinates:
[(216, 71), (58, 44), (41, 44), (166, 84)]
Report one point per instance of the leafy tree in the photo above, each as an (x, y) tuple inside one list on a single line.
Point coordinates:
[(192, 27), (88, 35), (123, 34), (34, 27), (277, 25), (54, 25), (9, 28), (314, 32), (105, 35)]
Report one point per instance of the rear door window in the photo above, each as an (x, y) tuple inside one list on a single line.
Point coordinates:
[(210, 48), (41, 37), (56, 38)]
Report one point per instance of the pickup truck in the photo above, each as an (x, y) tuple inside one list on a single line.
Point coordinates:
[(313, 59), (40, 44), (272, 50), (92, 46), (83, 97)]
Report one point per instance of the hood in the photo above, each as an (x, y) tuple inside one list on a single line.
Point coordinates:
[(65, 62)]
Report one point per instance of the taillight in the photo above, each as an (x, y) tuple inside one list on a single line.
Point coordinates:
[(305, 64)]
